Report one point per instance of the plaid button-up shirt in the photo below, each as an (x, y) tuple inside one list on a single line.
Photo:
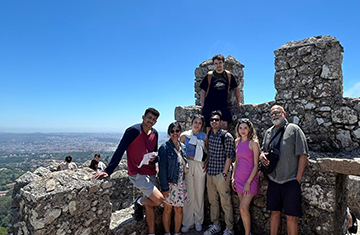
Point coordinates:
[(219, 152)]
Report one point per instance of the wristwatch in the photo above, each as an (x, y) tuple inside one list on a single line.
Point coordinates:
[(224, 174)]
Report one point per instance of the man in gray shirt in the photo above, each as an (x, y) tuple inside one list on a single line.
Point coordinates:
[(284, 191)]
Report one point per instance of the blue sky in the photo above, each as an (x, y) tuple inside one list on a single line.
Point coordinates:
[(95, 66)]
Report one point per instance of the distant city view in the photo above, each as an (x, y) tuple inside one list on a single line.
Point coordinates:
[(34, 143), (57, 142)]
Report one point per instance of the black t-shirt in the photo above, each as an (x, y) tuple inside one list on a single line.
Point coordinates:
[(218, 92)]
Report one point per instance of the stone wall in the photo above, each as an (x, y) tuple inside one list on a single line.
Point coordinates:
[(64, 202), (308, 80), (73, 202), (123, 191)]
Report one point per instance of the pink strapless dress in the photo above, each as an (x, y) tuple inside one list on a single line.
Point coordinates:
[(244, 168)]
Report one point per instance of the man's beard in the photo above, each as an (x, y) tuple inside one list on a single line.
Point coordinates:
[(276, 122)]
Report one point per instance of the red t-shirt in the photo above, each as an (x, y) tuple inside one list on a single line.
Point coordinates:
[(136, 143), (140, 146)]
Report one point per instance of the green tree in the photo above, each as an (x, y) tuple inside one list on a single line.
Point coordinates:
[(5, 205), (3, 231)]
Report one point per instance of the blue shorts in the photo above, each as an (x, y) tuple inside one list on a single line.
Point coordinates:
[(287, 196), (146, 183)]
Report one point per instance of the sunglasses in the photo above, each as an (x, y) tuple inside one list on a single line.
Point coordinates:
[(175, 131), (275, 113), (198, 116), (214, 119), (244, 120)]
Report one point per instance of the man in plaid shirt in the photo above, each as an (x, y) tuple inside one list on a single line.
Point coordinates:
[(220, 156)]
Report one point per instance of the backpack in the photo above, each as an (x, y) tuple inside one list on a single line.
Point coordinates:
[(210, 74), (222, 136)]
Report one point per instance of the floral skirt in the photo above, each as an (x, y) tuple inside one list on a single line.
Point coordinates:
[(178, 192)]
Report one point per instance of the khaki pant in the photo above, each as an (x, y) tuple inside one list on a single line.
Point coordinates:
[(218, 186), (193, 210)]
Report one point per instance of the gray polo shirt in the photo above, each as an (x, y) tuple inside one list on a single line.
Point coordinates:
[(293, 145)]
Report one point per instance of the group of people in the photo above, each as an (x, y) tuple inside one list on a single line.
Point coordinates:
[(190, 158), (95, 164)]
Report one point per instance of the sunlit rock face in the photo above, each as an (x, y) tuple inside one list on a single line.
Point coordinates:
[(62, 202)]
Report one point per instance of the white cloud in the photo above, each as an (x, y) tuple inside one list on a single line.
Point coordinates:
[(353, 91)]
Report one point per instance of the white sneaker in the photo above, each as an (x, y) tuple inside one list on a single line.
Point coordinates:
[(198, 227), (212, 229), (228, 232), (186, 229)]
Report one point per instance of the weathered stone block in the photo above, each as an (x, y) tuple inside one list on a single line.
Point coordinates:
[(281, 64), (344, 115)]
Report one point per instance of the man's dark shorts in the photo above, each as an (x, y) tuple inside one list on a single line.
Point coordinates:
[(287, 196), (206, 111)]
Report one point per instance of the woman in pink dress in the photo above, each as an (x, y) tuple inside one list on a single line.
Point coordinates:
[(245, 179)]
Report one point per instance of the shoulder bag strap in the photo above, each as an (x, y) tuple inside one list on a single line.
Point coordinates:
[(180, 156), (210, 73), (229, 79), (282, 130), (282, 133)]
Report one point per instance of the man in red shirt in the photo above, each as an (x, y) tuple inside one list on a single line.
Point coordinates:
[(139, 140)]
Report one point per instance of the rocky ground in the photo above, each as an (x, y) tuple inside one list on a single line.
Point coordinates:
[(123, 223)]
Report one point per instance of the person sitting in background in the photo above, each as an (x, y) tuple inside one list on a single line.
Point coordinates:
[(101, 165), (94, 165), (67, 164)]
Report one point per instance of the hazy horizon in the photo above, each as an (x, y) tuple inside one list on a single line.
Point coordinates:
[(54, 131)]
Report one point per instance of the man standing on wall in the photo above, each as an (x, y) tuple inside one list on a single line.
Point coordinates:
[(215, 88), (221, 153), (140, 140), (284, 191)]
